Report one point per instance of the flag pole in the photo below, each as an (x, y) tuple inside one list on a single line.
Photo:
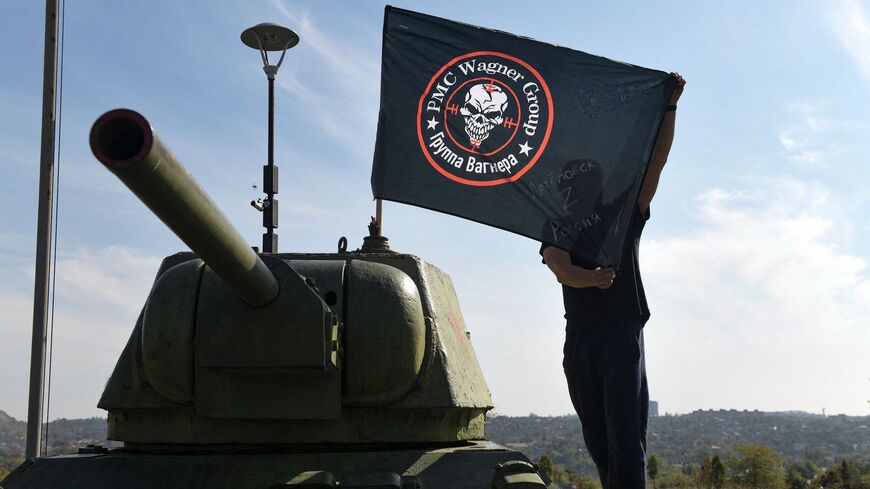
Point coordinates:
[(378, 216), (375, 242)]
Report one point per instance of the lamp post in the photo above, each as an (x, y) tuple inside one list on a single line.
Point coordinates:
[(264, 38)]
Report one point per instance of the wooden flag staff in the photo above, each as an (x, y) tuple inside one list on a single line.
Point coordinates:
[(375, 242), (378, 217)]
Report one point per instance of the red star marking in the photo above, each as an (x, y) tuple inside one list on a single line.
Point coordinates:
[(490, 87), (457, 328)]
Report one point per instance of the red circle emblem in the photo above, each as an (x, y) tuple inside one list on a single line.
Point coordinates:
[(485, 118)]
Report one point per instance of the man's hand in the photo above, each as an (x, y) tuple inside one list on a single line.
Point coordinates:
[(602, 277), (571, 275), (678, 91)]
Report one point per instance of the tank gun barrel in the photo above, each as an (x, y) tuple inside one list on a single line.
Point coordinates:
[(125, 143)]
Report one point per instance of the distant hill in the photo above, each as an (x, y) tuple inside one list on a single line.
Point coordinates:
[(64, 436), (686, 439), (677, 440), (11, 441), (5, 418)]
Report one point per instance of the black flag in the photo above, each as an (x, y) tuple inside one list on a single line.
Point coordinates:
[(540, 140)]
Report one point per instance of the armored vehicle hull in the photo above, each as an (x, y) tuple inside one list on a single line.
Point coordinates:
[(467, 466)]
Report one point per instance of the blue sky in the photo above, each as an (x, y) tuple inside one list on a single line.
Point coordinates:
[(755, 260)]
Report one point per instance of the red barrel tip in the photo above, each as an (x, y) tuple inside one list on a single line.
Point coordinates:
[(121, 137)]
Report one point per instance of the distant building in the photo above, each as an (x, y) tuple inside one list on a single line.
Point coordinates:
[(517, 445), (653, 408)]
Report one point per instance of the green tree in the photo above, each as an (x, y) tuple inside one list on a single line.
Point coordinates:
[(848, 474), (711, 475), (805, 468), (652, 469), (546, 465), (555, 472), (717, 473), (3, 474), (690, 469), (757, 467), (799, 474), (819, 456), (674, 478), (830, 479), (580, 482), (705, 474), (793, 480)]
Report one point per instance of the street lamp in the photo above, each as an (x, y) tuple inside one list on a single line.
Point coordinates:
[(264, 38)]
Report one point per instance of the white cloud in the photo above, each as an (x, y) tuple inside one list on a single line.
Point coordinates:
[(761, 306), (114, 276), (339, 83), (815, 139), (99, 295), (512, 306), (16, 250), (14, 353), (851, 25)]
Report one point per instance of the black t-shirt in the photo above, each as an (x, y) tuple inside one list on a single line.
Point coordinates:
[(591, 306)]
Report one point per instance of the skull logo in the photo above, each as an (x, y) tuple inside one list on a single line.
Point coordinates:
[(485, 104)]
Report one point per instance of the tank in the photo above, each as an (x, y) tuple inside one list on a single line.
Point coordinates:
[(310, 371)]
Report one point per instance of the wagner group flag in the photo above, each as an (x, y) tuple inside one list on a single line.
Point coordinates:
[(540, 140)]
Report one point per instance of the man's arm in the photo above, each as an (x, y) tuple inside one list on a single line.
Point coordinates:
[(559, 262), (660, 151)]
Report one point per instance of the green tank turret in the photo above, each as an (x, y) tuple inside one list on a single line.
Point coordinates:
[(247, 370)]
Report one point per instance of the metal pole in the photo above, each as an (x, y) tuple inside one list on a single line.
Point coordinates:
[(271, 160), (43, 235), (270, 180)]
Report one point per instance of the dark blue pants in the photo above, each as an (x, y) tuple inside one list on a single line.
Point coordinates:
[(606, 374)]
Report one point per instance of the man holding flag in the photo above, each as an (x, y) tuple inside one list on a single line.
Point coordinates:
[(604, 352), (551, 143)]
